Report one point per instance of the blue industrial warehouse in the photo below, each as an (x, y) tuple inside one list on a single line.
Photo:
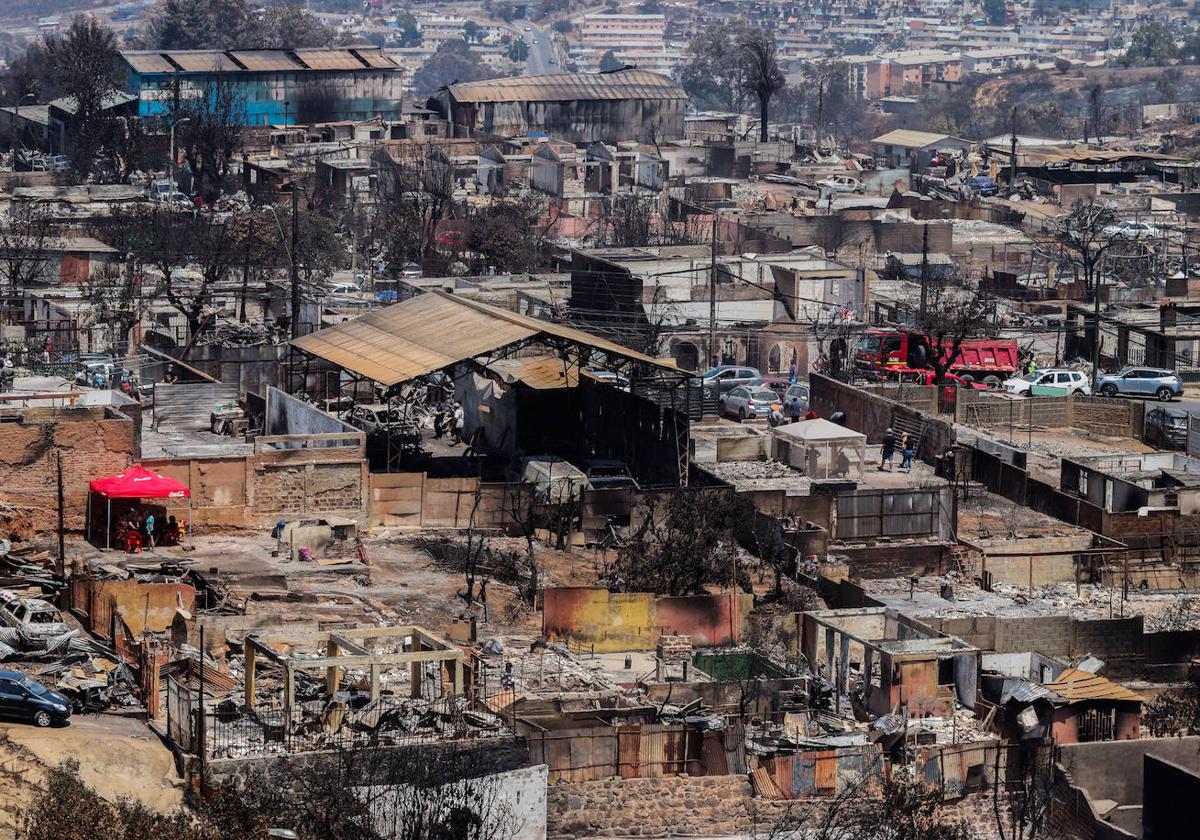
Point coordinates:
[(273, 87)]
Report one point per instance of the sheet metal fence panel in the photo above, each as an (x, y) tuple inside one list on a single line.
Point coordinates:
[(180, 705), (888, 513), (637, 752)]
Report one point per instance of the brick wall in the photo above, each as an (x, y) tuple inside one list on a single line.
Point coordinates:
[(259, 489), (872, 414), (93, 442)]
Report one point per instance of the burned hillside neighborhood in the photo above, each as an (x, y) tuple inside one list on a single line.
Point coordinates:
[(509, 421)]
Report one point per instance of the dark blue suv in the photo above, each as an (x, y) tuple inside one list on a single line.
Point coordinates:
[(22, 698)]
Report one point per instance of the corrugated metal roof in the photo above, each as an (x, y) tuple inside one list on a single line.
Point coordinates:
[(910, 139), (621, 84), (540, 372), (266, 60), (432, 331), (1075, 686), (375, 58), (330, 59), (201, 61), (148, 62), (257, 61)]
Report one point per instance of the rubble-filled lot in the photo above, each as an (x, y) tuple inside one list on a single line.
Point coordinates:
[(1161, 611)]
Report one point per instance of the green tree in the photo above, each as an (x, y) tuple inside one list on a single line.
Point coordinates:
[(609, 62), (996, 12), (1189, 50), (518, 50), (407, 32), (290, 26), (453, 62), (86, 63), (1151, 43), (713, 73), (472, 32), (198, 24), (761, 75)]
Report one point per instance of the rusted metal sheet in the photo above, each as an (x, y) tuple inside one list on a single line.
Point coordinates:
[(433, 331), (561, 87), (317, 59), (629, 752), (267, 61)]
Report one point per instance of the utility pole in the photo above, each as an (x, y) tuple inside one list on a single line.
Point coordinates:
[(924, 270), (246, 266), (294, 274), (712, 296), (1096, 319), (62, 552), (1012, 158)]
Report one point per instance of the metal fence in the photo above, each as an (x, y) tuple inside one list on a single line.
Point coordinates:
[(236, 733)]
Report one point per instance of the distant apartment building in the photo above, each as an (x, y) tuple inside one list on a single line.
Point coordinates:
[(994, 61), (874, 77), (628, 34), (1052, 40), (436, 28)]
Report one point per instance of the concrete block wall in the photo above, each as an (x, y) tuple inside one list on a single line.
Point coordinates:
[(1119, 642), (1114, 418), (1050, 635)]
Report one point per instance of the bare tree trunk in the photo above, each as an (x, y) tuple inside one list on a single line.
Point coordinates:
[(763, 102)]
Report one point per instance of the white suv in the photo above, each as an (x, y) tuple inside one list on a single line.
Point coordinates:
[(1072, 381)]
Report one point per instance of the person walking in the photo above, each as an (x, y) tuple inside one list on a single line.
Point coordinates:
[(456, 424), (793, 410), (906, 453), (439, 419), (887, 451)]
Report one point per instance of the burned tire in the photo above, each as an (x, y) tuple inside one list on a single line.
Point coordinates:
[(41, 719)]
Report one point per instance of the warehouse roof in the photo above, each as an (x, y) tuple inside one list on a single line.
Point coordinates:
[(909, 139), (435, 330), (257, 61), (619, 84)]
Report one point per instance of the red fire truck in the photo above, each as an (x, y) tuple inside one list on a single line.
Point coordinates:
[(986, 360)]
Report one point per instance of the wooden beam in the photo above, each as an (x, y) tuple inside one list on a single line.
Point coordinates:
[(376, 658)]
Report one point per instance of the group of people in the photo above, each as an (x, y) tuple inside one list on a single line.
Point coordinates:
[(790, 413), (139, 528), (448, 419), (887, 451)]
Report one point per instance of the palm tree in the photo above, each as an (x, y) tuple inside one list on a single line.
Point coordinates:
[(761, 75)]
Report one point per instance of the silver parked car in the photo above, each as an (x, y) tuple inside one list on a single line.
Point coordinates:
[(795, 395), (748, 401), (1159, 383), (725, 377)]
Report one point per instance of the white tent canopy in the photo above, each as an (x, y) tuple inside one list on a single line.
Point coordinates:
[(821, 449)]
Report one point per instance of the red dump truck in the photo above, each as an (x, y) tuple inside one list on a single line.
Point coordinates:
[(986, 360)]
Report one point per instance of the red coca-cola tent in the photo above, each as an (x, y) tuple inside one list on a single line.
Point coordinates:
[(134, 483)]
